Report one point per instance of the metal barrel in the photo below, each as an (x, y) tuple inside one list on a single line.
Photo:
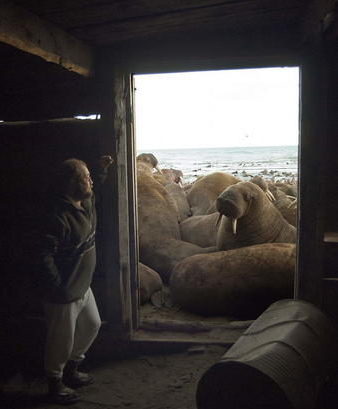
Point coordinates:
[(280, 362)]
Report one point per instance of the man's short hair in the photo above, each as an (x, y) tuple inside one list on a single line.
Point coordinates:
[(66, 172)]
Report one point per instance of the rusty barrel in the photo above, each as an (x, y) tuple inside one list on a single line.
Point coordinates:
[(280, 362)]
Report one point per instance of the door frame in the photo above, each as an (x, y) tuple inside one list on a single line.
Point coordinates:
[(309, 216)]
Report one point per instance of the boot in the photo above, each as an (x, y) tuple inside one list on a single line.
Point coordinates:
[(59, 393), (74, 378)]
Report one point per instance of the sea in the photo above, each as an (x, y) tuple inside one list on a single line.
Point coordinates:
[(277, 163)]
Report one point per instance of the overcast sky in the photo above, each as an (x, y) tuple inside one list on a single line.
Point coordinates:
[(251, 107)]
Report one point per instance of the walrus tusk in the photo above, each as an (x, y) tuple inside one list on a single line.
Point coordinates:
[(270, 196), (180, 182), (292, 198), (218, 219), (158, 170), (234, 225), (292, 204)]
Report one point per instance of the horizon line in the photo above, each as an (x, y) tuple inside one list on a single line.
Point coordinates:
[(219, 147)]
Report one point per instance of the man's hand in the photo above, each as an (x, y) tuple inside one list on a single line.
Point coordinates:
[(105, 161)]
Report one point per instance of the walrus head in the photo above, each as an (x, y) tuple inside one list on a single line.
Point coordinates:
[(259, 181), (149, 159), (235, 201)]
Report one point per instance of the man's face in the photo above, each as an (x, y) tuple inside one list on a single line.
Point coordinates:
[(82, 184)]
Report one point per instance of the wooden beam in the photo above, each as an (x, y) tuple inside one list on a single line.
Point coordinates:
[(119, 250), (208, 51), (26, 31), (227, 15), (313, 124), (49, 102)]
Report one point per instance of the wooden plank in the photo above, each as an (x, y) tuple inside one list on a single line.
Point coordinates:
[(232, 16), (223, 337), (48, 101), (331, 237), (331, 171), (330, 299), (75, 13), (132, 202), (314, 88), (28, 32), (196, 326), (209, 52), (117, 243)]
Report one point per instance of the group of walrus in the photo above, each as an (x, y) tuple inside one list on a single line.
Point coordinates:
[(224, 246)]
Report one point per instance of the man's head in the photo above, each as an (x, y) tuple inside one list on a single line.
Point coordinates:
[(73, 179)]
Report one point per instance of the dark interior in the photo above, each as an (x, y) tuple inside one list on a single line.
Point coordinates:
[(76, 57)]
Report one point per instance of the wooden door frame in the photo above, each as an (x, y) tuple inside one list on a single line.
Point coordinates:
[(309, 233), (120, 230)]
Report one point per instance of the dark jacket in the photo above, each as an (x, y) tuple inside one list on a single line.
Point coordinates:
[(66, 252)]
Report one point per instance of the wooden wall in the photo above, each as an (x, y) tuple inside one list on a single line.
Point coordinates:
[(39, 92), (30, 151), (330, 178), (44, 91), (330, 188), (32, 89)]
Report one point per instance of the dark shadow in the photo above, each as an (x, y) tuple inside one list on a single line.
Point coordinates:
[(22, 400)]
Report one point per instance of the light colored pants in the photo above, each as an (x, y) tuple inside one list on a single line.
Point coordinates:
[(71, 329)]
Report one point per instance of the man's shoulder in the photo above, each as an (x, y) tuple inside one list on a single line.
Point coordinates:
[(57, 208)]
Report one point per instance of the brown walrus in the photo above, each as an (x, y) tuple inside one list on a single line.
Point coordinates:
[(249, 218), (240, 282), (206, 189), (150, 282), (160, 244)]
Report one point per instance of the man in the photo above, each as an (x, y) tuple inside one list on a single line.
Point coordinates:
[(67, 260)]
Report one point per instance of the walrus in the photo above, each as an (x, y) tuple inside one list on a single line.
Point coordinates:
[(200, 230), (150, 160), (203, 229), (248, 217), (239, 283), (180, 198), (160, 244), (286, 204), (167, 176), (205, 190), (149, 280)]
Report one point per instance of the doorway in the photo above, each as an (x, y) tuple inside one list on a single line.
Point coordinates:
[(240, 122)]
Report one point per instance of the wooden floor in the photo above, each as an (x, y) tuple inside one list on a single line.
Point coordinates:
[(162, 320)]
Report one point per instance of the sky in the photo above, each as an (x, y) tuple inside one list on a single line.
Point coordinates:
[(247, 107)]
